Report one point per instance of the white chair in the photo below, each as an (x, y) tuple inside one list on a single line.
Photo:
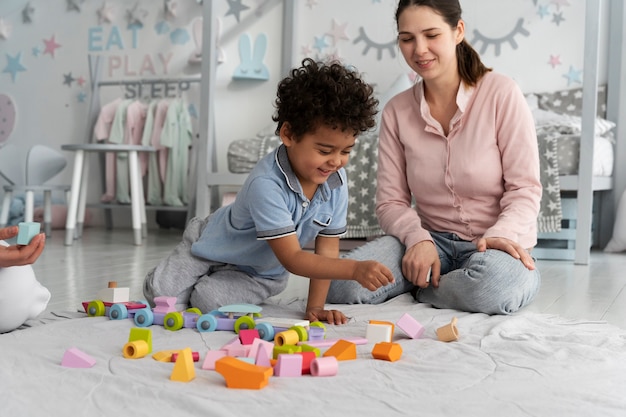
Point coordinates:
[(42, 164)]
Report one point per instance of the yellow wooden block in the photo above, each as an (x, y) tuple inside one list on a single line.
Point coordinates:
[(164, 355), (184, 370), (140, 333)]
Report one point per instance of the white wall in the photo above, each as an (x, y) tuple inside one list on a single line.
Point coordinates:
[(50, 112)]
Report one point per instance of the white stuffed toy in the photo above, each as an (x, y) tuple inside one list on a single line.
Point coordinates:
[(22, 297)]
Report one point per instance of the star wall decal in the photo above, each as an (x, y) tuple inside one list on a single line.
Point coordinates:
[(338, 32), (68, 79), (543, 11), (51, 46), (136, 15), (36, 51), (554, 60), (573, 75), (170, 9), (14, 65), (320, 43), (80, 81), (27, 13), (558, 18), (74, 5), (105, 13), (81, 97), (5, 29), (235, 7)]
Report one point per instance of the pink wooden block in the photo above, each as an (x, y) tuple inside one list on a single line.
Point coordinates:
[(256, 344), (330, 342), (410, 326), (211, 357), (324, 366), (288, 365), (164, 304), (237, 350), (74, 358), (263, 355)]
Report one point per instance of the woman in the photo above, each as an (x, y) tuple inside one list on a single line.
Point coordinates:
[(458, 177)]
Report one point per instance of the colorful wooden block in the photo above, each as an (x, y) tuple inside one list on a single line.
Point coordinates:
[(410, 326), (141, 333), (247, 336), (290, 349), (239, 374), (75, 358), (27, 231), (387, 351), (288, 365), (211, 357), (184, 370), (136, 349), (164, 304), (449, 332), (326, 366), (342, 350), (195, 356), (256, 344), (375, 332), (307, 358), (263, 356)]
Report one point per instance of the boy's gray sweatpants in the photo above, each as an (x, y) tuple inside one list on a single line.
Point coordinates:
[(205, 284)]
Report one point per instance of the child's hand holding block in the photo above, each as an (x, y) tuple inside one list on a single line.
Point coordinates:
[(27, 231)]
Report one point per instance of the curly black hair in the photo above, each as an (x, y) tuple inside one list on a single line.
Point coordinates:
[(324, 94)]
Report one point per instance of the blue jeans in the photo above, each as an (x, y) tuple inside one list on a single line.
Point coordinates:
[(491, 282)]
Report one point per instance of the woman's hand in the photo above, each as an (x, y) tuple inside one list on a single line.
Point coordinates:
[(508, 246), (421, 265), (329, 316)]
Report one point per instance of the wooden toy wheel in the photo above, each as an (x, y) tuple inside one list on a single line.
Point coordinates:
[(266, 331), (194, 310), (206, 323), (173, 321), (243, 322), (95, 308), (301, 331), (118, 312), (144, 318), (318, 324)]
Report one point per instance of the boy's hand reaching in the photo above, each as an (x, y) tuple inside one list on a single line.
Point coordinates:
[(329, 316), (372, 275)]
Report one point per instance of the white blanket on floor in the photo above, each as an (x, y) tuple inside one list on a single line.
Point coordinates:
[(523, 365)]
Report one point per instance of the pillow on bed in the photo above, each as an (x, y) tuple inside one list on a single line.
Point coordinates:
[(571, 101)]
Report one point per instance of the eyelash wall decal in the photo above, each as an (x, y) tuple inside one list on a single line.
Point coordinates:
[(380, 47), (497, 42)]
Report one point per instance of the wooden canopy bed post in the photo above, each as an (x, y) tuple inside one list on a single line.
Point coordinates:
[(208, 177), (589, 111), (616, 111)]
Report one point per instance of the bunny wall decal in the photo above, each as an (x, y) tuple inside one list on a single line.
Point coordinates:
[(252, 66)]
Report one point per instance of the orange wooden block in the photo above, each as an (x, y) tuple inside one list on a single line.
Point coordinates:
[(342, 350), (387, 351), (240, 374), (184, 370)]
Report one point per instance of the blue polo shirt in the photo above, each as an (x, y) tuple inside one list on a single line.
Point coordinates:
[(270, 205)]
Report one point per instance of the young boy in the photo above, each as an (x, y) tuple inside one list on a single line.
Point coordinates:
[(244, 252)]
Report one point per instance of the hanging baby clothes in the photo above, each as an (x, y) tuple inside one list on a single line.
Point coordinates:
[(133, 131), (158, 161), (177, 136), (111, 168), (102, 132)]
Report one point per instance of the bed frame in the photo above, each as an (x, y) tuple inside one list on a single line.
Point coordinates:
[(584, 185)]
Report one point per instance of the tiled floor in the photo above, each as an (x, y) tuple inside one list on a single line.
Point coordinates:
[(76, 273)]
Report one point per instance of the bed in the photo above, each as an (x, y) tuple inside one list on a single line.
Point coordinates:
[(520, 365), (557, 117)]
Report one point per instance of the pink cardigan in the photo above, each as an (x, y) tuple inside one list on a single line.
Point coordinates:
[(480, 180)]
